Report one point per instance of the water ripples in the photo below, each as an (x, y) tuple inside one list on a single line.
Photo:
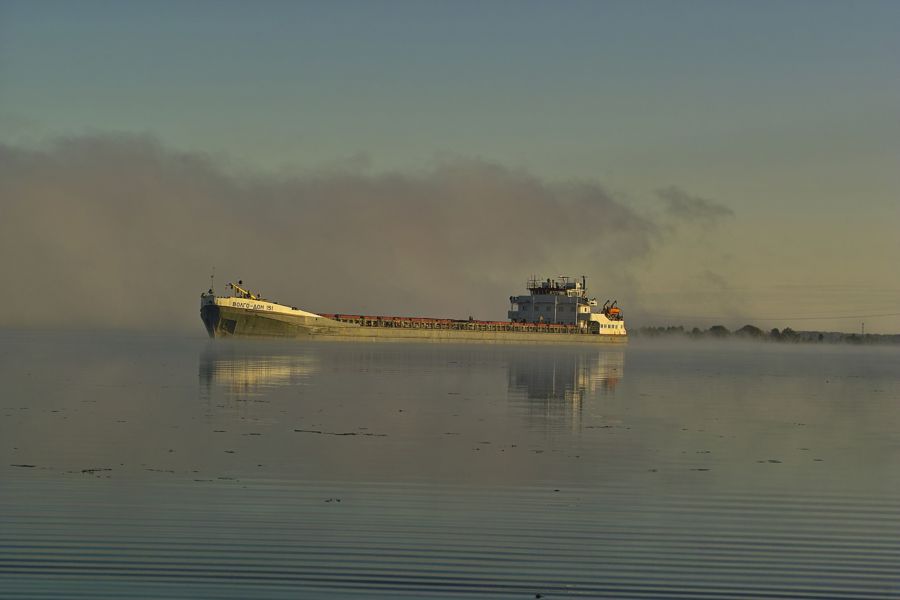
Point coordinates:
[(167, 470), (281, 539)]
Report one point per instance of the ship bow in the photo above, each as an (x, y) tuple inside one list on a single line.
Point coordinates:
[(210, 315)]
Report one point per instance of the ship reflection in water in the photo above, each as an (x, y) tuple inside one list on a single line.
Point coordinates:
[(546, 383), (559, 383), (243, 375)]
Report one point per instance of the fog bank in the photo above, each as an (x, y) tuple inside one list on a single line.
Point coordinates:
[(121, 231)]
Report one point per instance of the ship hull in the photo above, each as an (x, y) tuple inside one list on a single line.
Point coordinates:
[(226, 321)]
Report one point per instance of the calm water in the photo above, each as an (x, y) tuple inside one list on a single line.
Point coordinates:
[(177, 468)]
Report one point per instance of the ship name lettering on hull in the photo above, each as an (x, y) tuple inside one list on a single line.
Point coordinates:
[(252, 306)]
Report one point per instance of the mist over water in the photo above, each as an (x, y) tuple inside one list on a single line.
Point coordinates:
[(148, 466)]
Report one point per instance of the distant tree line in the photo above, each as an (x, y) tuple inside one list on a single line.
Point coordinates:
[(751, 332)]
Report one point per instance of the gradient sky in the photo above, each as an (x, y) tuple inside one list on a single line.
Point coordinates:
[(786, 113)]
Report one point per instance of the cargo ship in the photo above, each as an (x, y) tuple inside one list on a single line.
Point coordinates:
[(555, 310)]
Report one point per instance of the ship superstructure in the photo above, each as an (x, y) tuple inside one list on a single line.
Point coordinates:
[(555, 310), (564, 300)]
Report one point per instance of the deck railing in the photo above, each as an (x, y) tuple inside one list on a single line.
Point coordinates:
[(455, 324)]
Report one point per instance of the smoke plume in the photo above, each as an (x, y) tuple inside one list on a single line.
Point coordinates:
[(121, 231), (682, 206)]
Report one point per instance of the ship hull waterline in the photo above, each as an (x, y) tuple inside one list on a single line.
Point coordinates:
[(224, 322)]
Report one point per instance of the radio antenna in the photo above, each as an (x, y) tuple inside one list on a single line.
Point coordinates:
[(212, 280)]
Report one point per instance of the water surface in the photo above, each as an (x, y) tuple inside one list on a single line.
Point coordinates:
[(156, 466)]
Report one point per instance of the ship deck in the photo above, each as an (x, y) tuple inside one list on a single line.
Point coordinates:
[(427, 323)]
